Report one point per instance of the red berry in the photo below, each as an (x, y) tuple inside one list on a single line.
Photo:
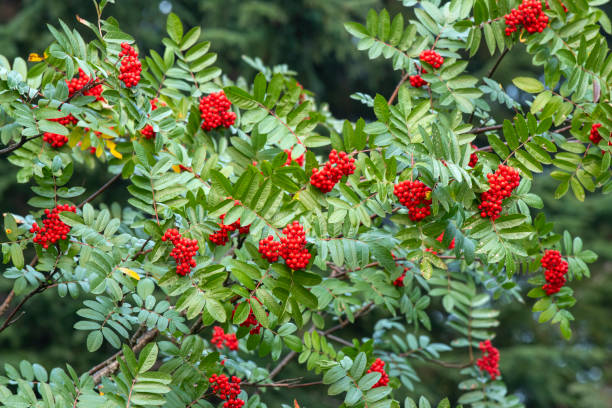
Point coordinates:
[(130, 66), (502, 183), (221, 237), (416, 81), (292, 247), (214, 111), (339, 164), (183, 252), (219, 338), (555, 269), (298, 160), (378, 366), (148, 131), (489, 361), (55, 140), (415, 196), (76, 84), (53, 228), (473, 157), (432, 58), (228, 390), (529, 15)]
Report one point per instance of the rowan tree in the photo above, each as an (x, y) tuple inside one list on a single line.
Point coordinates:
[(259, 226)]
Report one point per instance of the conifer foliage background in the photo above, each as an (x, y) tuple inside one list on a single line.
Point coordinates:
[(322, 327)]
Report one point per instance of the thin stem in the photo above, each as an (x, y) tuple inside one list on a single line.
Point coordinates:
[(9, 319), (16, 146), (100, 190), (397, 88), (7, 302)]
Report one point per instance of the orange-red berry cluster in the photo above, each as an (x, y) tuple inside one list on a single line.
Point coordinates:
[(595, 136), (130, 66), (299, 160), (502, 183), (339, 164), (529, 15), (432, 58), (416, 80), (214, 111), (378, 367), (147, 131), (555, 269), (228, 390), (220, 338), (489, 361), (292, 247), (221, 237), (183, 252), (55, 140), (53, 228), (473, 157), (416, 196), (76, 84)]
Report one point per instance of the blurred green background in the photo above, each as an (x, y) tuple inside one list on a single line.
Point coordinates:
[(309, 37)]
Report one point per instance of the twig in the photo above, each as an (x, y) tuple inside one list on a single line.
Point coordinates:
[(496, 65), (17, 145), (9, 319), (283, 385), (7, 302), (110, 365), (282, 364), (397, 88), (485, 129), (100, 190)]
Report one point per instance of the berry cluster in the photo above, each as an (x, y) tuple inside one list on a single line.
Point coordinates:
[(147, 131), (299, 160), (594, 136), (413, 194), (228, 390), (432, 58), (66, 120), (76, 84), (555, 269), (399, 282), (214, 110), (416, 80), (489, 361), (221, 237), (502, 183), (339, 164), (378, 366), (251, 320), (183, 252), (473, 157), (53, 228), (220, 338), (529, 15), (292, 247), (130, 65), (55, 140)]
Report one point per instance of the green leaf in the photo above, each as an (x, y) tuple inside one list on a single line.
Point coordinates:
[(94, 340), (147, 357), (216, 309), (174, 27), (530, 85)]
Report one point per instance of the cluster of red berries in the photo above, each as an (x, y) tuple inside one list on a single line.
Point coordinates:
[(378, 367), (221, 237), (53, 228), (299, 160), (529, 15), (473, 157), (76, 84), (555, 269), (502, 183), (416, 196), (214, 111), (183, 252), (148, 131), (228, 390), (432, 58), (489, 361), (66, 120), (339, 164), (416, 80), (292, 247), (251, 320), (130, 66), (220, 338), (595, 136), (55, 140)]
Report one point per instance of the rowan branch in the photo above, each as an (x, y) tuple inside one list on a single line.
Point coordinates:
[(9, 320), (7, 302), (100, 190), (397, 88), (111, 364), (17, 145)]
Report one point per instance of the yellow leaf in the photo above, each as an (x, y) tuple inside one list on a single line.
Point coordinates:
[(130, 273), (176, 168), (111, 148), (428, 195), (34, 57), (295, 404)]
